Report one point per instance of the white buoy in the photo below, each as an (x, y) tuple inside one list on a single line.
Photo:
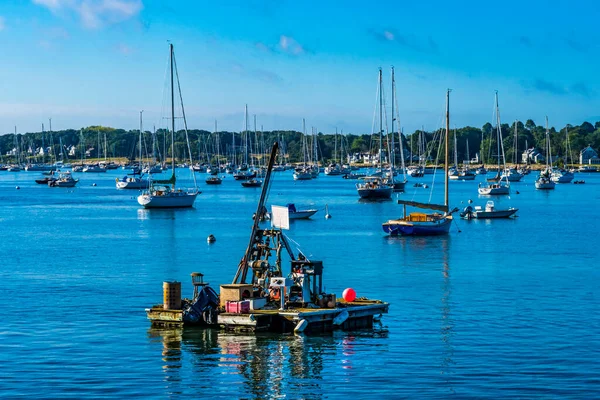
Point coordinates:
[(341, 318), (301, 326), (211, 239), (327, 215)]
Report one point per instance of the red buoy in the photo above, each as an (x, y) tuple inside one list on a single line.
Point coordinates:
[(349, 295)]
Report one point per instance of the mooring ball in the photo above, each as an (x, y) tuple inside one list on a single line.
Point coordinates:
[(349, 294)]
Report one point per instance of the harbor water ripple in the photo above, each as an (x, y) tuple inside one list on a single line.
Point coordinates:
[(497, 309)]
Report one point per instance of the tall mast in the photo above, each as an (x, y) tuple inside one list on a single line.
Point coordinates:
[(446, 148), (380, 115), (516, 144), (51, 139), (43, 146), (392, 155), (246, 136), (256, 145), (141, 112), (548, 155), (172, 116), (218, 145), (335, 147)]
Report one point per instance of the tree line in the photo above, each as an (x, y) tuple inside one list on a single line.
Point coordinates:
[(106, 142)]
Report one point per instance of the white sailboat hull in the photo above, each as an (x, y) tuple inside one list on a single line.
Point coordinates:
[(494, 191), (545, 185), (135, 184), (302, 214), (160, 199)]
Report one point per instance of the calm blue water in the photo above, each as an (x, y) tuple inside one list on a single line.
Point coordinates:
[(501, 309)]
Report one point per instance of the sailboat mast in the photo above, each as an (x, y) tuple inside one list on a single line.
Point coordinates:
[(246, 136), (392, 155), (380, 114), (141, 112), (172, 116), (446, 148), (516, 144)]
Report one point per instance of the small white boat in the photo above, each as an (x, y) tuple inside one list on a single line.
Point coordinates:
[(299, 214), (544, 181), (494, 189), (165, 197), (511, 175), (561, 176), (303, 175), (374, 188), (132, 183), (489, 212), (93, 168), (63, 180)]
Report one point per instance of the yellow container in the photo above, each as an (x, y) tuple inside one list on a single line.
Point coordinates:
[(172, 295)]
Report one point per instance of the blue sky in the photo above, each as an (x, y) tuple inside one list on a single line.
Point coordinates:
[(89, 62)]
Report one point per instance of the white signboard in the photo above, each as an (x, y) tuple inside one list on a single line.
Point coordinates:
[(280, 217)]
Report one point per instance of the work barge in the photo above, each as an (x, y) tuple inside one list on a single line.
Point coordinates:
[(264, 297)]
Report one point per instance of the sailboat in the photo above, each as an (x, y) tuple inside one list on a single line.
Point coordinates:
[(214, 178), (375, 187), (544, 179), (417, 171), (128, 182), (512, 174), (334, 168), (303, 172), (426, 224), (495, 186), (398, 186), (164, 193), (564, 175)]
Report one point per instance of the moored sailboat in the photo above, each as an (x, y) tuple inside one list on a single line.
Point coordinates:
[(544, 179), (376, 187), (426, 224), (495, 186), (164, 193)]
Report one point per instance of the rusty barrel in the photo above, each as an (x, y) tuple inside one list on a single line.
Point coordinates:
[(172, 295)]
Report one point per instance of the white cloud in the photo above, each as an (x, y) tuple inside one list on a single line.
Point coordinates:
[(289, 45), (2, 24), (95, 14)]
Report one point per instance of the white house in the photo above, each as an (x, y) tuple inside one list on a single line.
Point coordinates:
[(588, 156), (532, 155)]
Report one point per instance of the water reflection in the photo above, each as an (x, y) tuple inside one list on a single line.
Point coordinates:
[(447, 322), (361, 200), (432, 254), (254, 365), (163, 213)]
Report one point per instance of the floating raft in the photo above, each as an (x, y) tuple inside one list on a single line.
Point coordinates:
[(359, 314)]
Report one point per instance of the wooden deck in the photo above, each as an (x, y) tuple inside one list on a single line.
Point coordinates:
[(360, 316)]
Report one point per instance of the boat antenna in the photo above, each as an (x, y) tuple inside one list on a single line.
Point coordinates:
[(242, 271)]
